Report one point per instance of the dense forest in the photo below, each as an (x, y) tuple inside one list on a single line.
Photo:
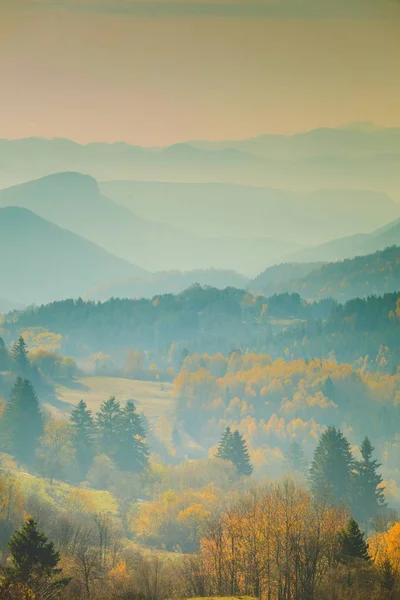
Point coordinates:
[(207, 320)]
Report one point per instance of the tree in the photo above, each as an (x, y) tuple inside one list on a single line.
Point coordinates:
[(387, 576), (240, 454), (109, 421), (23, 423), (331, 471), (352, 543), (83, 436), (370, 497), (295, 458), (132, 453), (33, 556), (223, 450), (20, 356), (233, 447), (56, 450)]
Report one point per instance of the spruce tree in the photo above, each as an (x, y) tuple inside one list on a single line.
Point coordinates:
[(234, 448), (331, 471), (23, 423), (224, 447), (295, 458), (240, 454), (20, 356), (132, 453), (369, 498), (84, 429), (33, 556), (109, 420), (352, 543)]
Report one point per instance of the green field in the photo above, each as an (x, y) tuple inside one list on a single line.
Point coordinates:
[(153, 399)]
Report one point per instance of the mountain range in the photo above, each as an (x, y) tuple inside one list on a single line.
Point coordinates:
[(355, 157)]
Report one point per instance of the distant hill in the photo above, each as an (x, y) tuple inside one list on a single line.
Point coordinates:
[(225, 210), (363, 276), (279, 278), (351, 246), (73, 201), (42, 262), (168, 282)]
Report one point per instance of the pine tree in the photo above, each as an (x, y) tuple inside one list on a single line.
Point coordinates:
[(387, 576), (331, 471), (352, 543), (132, 453), (20, 356), (370, 498), (33, 556), (224, 447), (109, 420), (295, 458), (23, 423), (240, 454), (84, 429)]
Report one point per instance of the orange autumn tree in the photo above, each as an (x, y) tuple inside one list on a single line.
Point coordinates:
[(276, 542)]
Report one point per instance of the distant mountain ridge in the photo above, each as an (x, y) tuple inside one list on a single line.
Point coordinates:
[(359, 277), (74, 201), (226, 210), (342, 157), (43, 262)]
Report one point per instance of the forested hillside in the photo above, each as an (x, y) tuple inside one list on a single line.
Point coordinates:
[(360, 277)]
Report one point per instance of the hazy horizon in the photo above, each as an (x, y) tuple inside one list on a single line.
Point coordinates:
[(139, 71)]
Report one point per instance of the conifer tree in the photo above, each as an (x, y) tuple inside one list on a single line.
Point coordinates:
[(224, 449), (331, 471), (20, 356), (33, 556), (233, 447), (387, 576), (240, 454), (22, 423), (352, 543), (370, 498), (295, 458), (109, 420), (84, 429), (132, 453)]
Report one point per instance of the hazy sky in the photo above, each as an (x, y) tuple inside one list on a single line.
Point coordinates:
[(155, 73)]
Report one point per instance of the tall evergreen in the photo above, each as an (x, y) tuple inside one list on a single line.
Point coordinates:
[(109, 422), (224, 450), (33, 556), (83, 426), (132, 453), (369, 498), (234, 448), (240, 454), (332, 468), (22, 422), (20, 356), (352, 543)]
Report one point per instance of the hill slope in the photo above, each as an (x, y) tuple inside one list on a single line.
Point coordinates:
[(374, 274), (73, 201), (226, 210), (42, 262)]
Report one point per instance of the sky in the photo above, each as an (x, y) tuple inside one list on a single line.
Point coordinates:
[(158, 72)]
